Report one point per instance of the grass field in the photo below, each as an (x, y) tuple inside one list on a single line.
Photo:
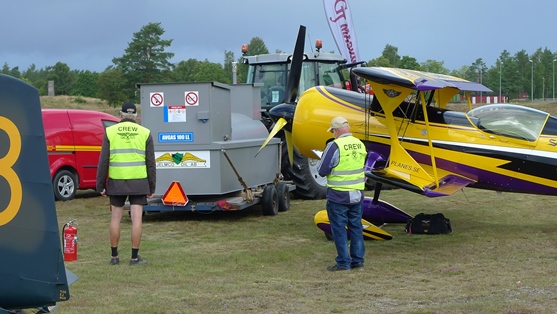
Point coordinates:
[(500, 258)]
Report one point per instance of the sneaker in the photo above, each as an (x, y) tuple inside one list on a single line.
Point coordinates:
[(357, 266), (137, 261), (115, 260), (336, 268)]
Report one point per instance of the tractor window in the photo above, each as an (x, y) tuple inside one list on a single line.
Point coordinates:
[(329, 75), (270, 75), (273, 78), (307, 80)]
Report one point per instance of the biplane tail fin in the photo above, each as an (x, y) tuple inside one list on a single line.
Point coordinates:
[(31, 263)]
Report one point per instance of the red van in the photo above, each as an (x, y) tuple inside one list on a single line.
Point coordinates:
[(73, 141)]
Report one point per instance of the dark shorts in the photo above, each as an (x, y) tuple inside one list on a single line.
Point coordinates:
[(120, 200)]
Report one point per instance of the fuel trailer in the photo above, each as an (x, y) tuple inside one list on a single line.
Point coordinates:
[(207, 139)]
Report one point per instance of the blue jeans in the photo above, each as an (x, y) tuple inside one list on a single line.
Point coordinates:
[(340, 217)]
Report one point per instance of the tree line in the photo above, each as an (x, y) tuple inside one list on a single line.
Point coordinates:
[(147, 60), (514, 76)]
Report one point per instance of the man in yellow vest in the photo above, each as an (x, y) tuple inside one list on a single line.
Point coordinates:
[(127, 171), (342, 163)]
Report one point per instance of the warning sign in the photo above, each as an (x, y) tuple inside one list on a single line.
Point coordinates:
[(175, 114), (192, 98), (156, 99), (175, 195)]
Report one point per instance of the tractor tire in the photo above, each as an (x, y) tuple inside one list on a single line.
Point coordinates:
[(269, 201), (303, 173), (283, 197), (65, 185)]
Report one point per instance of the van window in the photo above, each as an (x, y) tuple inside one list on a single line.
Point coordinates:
[(107, 123)]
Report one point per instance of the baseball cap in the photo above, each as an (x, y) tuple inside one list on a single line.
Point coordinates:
[(129, 107), (338, 123)]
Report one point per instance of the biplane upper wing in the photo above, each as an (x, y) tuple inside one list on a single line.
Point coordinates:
[(446, 86), (392, 87)]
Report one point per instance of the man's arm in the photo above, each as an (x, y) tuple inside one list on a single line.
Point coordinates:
[(329, 159), (102, 167), (151, 164)]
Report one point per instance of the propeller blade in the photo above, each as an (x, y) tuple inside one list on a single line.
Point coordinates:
[(278, 126), (290, 147), (296, 67)]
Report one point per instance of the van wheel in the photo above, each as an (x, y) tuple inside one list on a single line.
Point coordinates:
[(65, 185)]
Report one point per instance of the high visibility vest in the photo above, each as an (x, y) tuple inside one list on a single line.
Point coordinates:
[(348, 175), (127, 150)]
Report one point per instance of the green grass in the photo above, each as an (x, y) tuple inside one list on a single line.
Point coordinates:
[(500, 258)]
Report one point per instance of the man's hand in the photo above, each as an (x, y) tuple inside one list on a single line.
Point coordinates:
[(103, 192), (150, 195)]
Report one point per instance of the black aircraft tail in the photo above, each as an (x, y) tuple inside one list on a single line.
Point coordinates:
[(32, 272)]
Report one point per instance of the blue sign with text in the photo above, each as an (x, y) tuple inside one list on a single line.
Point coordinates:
[(179, 137)]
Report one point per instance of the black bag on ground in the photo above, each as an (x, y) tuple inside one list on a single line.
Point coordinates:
[(429, 224)]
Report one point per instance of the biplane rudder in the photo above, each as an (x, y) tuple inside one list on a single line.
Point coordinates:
[(32, 265)]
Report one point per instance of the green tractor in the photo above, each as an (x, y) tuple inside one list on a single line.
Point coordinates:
[(283, 78)]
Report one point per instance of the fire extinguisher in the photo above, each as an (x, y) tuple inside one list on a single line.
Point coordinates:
[(69, 233)]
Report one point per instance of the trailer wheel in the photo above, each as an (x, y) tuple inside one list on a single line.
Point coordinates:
[(283, 197), (65, 185), (269, 201)]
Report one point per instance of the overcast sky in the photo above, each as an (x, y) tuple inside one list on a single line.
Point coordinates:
[(87, 35)]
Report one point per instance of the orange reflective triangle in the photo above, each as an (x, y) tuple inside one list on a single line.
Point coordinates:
[(175, 195)]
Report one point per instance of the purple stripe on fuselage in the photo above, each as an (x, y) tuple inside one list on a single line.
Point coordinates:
[(486, 179), (322, 89)]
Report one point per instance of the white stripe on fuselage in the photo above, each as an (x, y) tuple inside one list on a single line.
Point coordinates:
[(522, 151)]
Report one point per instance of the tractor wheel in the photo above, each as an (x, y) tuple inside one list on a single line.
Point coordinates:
[(283, 197), (309, 184), (65, 185), (269, 201)]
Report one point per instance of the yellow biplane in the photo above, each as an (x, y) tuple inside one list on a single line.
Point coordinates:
[(416, 143)]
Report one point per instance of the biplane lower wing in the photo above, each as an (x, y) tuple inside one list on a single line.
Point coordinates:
[(448, 185), (370, 231)]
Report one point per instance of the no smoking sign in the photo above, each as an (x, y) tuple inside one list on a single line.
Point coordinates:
[(156, 99), (191, 98)]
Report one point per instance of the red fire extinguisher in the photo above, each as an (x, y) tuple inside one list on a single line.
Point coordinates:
[(69, 233)]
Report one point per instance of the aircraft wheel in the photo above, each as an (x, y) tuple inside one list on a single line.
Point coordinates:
[(269, 201), (283, 197), (65, 185)]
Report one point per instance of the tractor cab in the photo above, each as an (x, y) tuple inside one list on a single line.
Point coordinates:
[(272, 70)]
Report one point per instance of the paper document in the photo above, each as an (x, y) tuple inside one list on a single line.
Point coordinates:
[(317, 153)]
